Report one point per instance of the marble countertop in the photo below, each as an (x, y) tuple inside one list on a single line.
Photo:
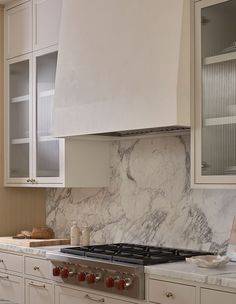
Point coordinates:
[(39, 251), (224, 276)]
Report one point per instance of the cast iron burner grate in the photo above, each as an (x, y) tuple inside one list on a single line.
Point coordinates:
[(134, 254)]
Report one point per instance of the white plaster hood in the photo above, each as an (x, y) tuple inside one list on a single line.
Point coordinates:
[(124, 65)]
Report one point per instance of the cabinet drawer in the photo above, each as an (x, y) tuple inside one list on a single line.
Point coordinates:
[(64, 295), (162, 292), (11, 288), (38, 292), (12, 262), (37, 267), (217, 297)]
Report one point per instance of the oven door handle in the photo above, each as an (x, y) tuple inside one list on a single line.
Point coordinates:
[(102, 300)]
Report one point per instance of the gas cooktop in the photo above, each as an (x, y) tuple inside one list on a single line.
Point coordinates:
[(133, 254), (114, 268)]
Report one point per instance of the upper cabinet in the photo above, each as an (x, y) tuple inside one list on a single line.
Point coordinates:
[(18, 29), (214, 108), (123, 65), (46, 18), (31, 26), (33, 157)]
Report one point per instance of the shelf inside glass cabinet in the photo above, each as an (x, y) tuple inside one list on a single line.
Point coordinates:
[(219, 58), (218, 121), (20, 98), (20, 141), (46, 93)]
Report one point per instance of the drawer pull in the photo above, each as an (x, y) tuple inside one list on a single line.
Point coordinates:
[(4, 277), (102, 300), (169, 294), (37, 285), (1, 261), (36, 268)]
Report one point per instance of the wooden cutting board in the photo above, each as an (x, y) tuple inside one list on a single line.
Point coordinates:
[(34, 242)]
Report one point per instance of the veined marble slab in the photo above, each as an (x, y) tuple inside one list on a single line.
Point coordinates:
[(149, 200), (223, 276), (39, 251)]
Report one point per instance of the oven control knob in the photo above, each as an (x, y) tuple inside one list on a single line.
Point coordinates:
[(123, 283), (110, 282), (91, 278), (56, 271), (120, 284), (81, 276), (64, 273)]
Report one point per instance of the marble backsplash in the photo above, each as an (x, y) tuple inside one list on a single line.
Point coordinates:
[(149, 200)]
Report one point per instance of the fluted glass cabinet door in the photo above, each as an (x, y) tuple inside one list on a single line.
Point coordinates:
[(215, 92), (19, 128), (47, 147)]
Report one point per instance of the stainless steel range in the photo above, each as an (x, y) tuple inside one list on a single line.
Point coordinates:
[(114, 268)]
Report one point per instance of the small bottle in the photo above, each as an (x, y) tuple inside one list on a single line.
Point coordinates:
[(86, 236), (74, 234)]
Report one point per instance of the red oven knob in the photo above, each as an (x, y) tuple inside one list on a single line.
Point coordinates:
[(121, 284), (81, 276), (56, 271), (109, 282), (91, 278), (64, 273)]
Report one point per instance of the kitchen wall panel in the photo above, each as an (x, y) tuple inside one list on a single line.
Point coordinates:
[(149, 200)]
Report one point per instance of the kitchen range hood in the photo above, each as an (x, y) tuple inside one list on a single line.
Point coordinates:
[(123, 68)]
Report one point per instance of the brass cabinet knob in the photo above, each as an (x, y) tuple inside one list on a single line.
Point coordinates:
[(169, 294)]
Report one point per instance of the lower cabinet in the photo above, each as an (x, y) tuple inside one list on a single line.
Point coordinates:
[(12, 288), (64, 295), (37, 292), (209, 296), (163, 292)]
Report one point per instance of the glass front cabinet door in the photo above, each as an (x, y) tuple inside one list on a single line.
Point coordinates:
[(19, 128), (214, 110), (34, 157), (47, 162)]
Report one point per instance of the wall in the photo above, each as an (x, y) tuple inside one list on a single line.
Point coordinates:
[(149, 200), (19, 208)]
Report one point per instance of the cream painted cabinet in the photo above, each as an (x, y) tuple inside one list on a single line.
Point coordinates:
[(37, 267), (38, 292), (33, 157), (32, 25), (18, 29), (64, 295), (214, 108), (12, 288), (11, 285), (46, 23), (11, 262), (209, 296), (162, 292)]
